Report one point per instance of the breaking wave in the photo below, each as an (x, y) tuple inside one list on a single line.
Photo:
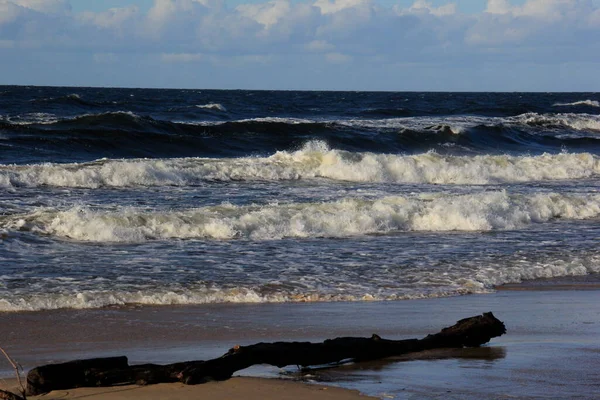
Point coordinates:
[(579, 122), (116, 134), (213, 106), (314, 160), (591, 103), (459, 279), (485, 211)]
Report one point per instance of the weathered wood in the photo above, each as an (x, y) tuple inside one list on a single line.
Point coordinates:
[(468, 332), (69, 375)]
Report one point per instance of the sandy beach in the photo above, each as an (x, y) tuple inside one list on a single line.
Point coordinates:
[(551, 349), (235, 388)]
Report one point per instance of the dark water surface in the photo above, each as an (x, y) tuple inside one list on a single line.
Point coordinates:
[(120, 196)]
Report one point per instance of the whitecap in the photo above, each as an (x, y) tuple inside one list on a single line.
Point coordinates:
[(213, 106), (486, 211), (591, 103)]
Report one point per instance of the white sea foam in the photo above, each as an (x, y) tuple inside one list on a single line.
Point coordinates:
[(32, 118), (579, 122), (314, 160), (591, 103), (453, 124), (212, 106), (280, 120), (97, 299), (484, 211), (457, 280)]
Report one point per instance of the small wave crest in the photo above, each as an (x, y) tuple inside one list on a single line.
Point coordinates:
[(579, 122), (487, 211), (194, 296), (71, 98), (213, 106), (465, 278), (591, 103)]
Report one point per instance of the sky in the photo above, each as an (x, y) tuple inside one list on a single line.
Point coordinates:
[(428, 45)]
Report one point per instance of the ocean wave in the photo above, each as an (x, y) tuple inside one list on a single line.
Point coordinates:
[(99, 299), (579, 122), (126, 134), (104, 298), (459, 124), (72, 98), (591, 103), (454, 124), (37, 118), (487, 211), (471, 277), (213, 106), (314, 160)]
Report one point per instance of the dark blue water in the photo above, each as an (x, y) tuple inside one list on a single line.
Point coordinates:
[(83, 124), (115, 196)]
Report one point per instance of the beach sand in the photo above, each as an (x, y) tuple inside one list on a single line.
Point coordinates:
[(235, 388), (551, 350)]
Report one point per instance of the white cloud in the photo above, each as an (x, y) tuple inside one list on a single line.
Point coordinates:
[(330, 32), (425, 6), (548, 10), (112, 18), (533, 22), (45, 6), (267, 14), (9, 12), (331, 7), (498, 7)]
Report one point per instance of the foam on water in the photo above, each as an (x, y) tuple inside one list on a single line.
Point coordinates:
[(212, 106), (451, 281), (98, 299), (487, 211), (456, 124), (578, 122), (591, 103), (314, 160), (37, 118)]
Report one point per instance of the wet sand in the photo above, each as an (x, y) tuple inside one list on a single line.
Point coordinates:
[(551, 350)]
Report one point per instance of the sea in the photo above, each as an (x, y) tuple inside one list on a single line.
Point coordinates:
[(112, 197)]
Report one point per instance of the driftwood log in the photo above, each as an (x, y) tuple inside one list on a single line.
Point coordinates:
[(468, 332)]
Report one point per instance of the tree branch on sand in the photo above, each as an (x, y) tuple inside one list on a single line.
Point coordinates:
[(113, 371), (6, 395)]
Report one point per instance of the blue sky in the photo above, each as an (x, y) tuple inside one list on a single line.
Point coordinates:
[(473, 45)]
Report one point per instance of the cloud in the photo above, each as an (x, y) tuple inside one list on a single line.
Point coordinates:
[(310, 35), (44, 6), (531, 24), (116, 18), (267, 14), (423, 6)]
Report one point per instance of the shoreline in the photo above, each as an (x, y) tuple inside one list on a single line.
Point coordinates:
[(551, 332)]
